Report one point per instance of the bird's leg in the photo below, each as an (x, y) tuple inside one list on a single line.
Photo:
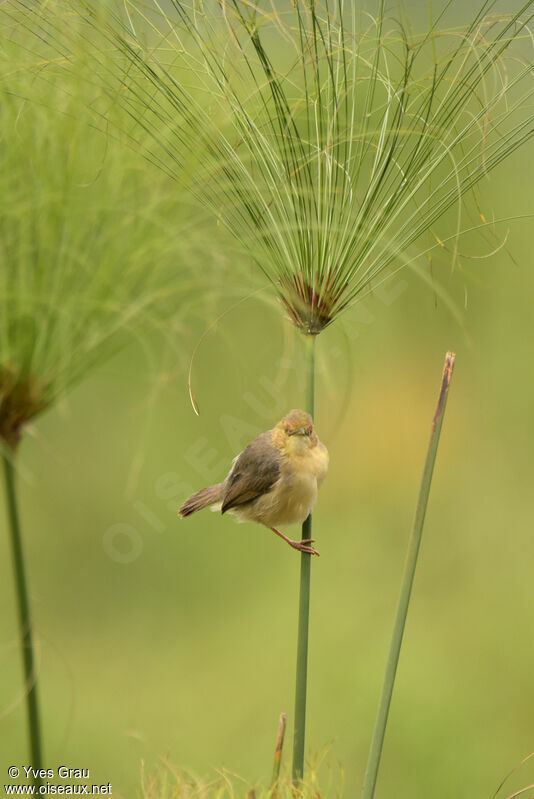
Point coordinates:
[(300, 545)]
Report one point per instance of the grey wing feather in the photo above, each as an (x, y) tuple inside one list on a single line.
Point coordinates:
[(254, 473)]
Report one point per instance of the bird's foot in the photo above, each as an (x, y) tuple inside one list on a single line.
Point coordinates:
[(302, 546)]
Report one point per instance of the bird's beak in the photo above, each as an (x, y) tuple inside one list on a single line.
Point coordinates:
[(300, 431)]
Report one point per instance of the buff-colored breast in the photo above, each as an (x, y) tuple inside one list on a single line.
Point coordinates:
[(293, 496)]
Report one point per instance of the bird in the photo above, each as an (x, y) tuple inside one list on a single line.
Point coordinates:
[(274, 481)]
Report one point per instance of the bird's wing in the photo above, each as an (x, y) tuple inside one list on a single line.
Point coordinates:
[(255, 472)]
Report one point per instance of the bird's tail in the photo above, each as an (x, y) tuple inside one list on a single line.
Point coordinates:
[(208, 496)]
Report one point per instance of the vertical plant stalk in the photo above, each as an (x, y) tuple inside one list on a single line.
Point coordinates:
[(25, 627), (304, 602), (278, 753), (373, 762)]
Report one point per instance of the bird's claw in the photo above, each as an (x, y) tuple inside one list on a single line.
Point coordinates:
[(302, 546)]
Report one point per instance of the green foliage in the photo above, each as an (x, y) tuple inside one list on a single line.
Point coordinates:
[(84, 253), (169, 782), (340, 143), (330, 141)]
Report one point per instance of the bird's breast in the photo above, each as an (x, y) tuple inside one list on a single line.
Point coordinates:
[(291, 499), (293, 496)]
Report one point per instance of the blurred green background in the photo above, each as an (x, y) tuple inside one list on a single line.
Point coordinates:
[(166, 638)]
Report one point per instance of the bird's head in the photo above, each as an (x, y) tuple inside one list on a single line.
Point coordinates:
[(296, 433)]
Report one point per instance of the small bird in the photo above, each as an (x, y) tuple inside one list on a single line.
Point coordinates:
[(274, 481)]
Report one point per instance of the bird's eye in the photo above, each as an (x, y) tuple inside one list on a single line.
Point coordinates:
[(308, 431)]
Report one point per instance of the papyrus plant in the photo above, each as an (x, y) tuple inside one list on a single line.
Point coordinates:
[(78, 274), (333, 140)]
